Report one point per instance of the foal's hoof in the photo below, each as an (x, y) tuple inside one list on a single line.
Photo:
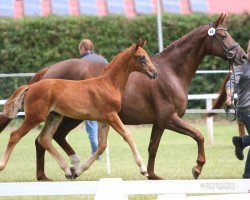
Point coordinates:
[(196, 172), (145, 173), (72, 170), (73, 175)]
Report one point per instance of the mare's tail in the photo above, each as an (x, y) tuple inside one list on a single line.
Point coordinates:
[(222, 96), (37, 77), (11, 107)]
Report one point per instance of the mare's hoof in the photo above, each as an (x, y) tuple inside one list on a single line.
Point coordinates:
[(145, 173), (196, 172), (154, 177), (43, 178)]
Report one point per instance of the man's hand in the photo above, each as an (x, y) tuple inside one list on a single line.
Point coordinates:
[(229, 100)]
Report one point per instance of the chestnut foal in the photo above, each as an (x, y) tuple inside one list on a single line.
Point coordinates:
[(94, 99)]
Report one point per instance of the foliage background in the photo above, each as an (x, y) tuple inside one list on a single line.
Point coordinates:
[(30, 43)]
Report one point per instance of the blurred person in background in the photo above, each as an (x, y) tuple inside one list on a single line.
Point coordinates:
[(239, 81)]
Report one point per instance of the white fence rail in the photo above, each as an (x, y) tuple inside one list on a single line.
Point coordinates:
[(116, 188)]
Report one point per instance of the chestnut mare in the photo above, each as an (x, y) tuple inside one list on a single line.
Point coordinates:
[(95, 99), (161, 102)]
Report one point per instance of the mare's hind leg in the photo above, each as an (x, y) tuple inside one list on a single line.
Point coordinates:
[(180, 126), (114, 121), (152, 151), (103, 129), (15, 137), (45, 139), (62, 131)]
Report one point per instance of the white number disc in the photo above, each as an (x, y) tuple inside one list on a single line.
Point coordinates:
[(211, 31)]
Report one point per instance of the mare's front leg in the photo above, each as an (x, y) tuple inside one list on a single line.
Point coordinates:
[(103, 129), (45, 139), (155, 138), (62, 131), (176, 124), (116, 123)]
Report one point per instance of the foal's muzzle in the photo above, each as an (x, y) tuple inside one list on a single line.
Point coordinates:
[(153, 74)]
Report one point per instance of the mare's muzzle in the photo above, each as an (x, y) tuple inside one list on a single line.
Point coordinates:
[(238, 59)]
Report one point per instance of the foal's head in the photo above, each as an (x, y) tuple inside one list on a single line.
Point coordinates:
[(222, 44), (140, 60)]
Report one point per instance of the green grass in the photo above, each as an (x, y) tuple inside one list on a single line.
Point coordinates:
[(176, 156)]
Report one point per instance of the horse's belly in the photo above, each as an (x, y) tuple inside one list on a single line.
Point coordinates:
[(137, 116)]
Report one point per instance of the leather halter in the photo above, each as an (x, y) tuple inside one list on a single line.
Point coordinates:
[(227, 50)]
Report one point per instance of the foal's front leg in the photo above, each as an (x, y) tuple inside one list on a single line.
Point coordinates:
[(116, 123), (103, 129), (45, 139)]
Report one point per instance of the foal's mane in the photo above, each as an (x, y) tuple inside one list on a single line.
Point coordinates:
[(115, 59)]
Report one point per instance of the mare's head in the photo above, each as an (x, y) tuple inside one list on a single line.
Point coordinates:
[(222, 44), (141, 61)]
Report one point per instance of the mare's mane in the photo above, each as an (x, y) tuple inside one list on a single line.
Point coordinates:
[(180, 40)]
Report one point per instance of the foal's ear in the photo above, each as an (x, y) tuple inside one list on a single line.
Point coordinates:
[(141, 42), (138, 44), (219, 20)]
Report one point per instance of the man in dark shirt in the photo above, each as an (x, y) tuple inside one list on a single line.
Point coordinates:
[(239, 81)]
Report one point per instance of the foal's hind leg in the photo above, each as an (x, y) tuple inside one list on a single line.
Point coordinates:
[(114, 121), (15, 137), (62, 131), (180, 126), (103, 129), (45, 139)]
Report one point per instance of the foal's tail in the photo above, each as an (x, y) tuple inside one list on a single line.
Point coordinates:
[(221, 98), (11, 107)]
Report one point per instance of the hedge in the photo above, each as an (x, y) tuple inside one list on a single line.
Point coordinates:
[(28, 44)]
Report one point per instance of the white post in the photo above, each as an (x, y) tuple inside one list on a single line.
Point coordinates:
[(159, 26), (210, 130), (108, 158), (111, 189)]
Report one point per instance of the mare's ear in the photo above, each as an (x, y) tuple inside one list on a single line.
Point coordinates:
[(223, 19), (218, 21)]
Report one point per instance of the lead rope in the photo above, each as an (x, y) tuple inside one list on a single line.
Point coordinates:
[(231, 111)]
